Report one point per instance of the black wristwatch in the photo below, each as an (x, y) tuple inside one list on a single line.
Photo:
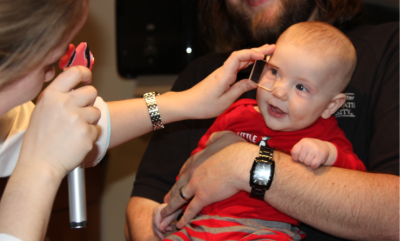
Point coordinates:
[(262, 173)]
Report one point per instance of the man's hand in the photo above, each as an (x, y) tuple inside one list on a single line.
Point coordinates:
[(211, 175), (162, 225)]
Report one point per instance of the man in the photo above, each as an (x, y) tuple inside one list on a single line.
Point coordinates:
[(355, 206)]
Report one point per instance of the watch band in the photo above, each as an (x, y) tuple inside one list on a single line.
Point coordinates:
[(155, 117), (265, 157), (266, 152), (257, 193)]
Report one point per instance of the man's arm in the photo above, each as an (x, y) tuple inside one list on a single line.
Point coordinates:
[(139, 217), (349, 204), (345, 203)]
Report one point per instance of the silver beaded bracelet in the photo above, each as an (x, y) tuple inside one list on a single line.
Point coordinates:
[(155, 117)]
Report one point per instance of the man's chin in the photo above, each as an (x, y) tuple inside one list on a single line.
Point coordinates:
[(267, 23)]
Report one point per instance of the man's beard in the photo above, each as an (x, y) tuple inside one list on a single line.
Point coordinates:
[(259, 29)]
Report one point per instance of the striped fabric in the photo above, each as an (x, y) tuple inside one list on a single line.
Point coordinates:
[(206, 227)]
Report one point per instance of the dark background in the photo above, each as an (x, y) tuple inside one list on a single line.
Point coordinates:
[(152, 37)]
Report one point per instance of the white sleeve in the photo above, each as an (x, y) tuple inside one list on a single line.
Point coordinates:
[(104, 127), (13, 125), (7, 237)]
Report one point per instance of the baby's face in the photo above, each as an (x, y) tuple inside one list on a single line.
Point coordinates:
[(302, 90)]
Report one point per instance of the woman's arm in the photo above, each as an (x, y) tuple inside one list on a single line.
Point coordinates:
[(207, 99), (60, 133)]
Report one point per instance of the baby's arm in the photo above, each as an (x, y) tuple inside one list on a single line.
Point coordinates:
[(161, 225), (314, 152)]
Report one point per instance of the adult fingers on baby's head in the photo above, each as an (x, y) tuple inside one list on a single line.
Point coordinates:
[(265, 49), (71, 77), (241, 59), (248, 56)]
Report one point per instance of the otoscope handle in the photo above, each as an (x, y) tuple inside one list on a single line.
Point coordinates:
[(76, 179), (77, 198)]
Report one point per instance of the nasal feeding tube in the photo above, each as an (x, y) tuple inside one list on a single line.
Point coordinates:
[(76, 178)]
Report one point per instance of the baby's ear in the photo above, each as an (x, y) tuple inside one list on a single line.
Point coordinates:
[(334, 105)]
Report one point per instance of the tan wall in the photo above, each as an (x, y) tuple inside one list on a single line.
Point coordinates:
[(99, 32)]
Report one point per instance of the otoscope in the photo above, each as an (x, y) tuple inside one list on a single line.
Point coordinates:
[(76, 178)]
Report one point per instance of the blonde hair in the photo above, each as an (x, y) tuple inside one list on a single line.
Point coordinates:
[(30, 29), (325, 40)]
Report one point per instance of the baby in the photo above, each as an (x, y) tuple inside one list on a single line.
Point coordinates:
[(300, 88)]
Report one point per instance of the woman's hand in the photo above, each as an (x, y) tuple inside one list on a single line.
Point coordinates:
[(61, 130), (217, 92), (211, 175)]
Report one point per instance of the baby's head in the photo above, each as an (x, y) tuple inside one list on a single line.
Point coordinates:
[(313, 63)]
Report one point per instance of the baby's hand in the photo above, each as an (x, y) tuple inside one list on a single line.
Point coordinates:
[(314, 152), (160, 225)]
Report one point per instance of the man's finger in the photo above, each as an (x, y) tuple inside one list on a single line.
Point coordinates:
[(184, 178), (175, 203), (191, 211)]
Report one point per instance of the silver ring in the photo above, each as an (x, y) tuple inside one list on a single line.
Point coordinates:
[(183, 196)]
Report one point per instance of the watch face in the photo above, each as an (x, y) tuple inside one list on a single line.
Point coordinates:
[(262, 173)]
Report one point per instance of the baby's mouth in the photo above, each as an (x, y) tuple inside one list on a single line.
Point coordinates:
[(276, 112)]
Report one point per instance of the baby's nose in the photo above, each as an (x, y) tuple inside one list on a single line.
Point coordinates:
[(280, 92)]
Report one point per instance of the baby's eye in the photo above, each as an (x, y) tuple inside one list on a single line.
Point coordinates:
[(272, 73), (301, 87)]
